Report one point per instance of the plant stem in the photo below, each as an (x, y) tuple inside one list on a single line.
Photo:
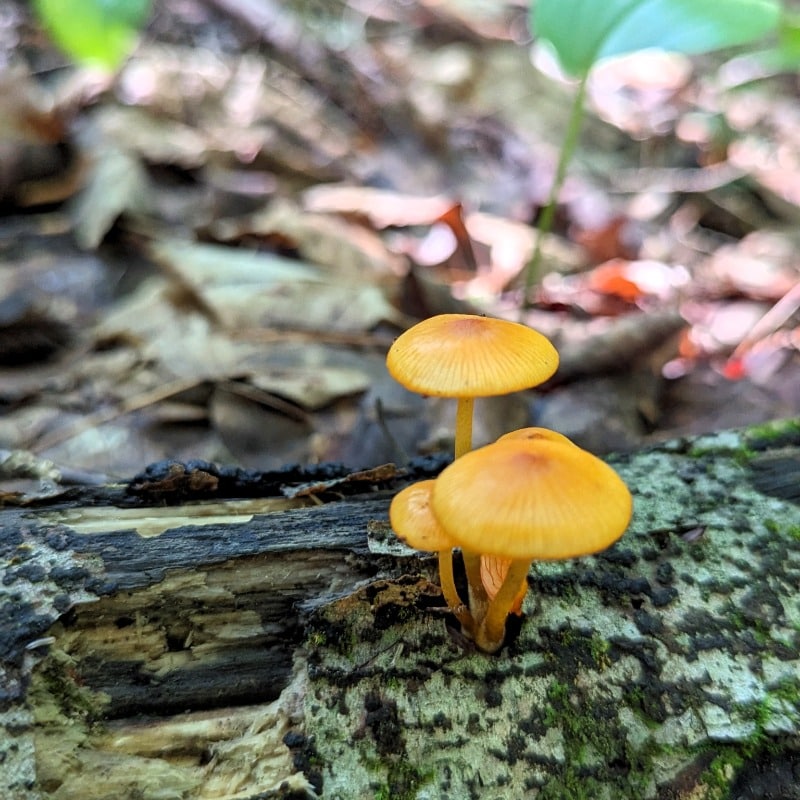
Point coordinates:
[(545, 223), (464, 410), (492, 628)]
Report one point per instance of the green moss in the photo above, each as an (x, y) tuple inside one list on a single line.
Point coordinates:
[(740, 455), (774, 527), (56, 694), (729, 759), (773, 432), (402, 780), (592, 740), (599, 648), (720, 773), (787, 692), (572, 787)]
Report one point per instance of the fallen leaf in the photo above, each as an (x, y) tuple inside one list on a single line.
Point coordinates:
[(381, 207), (211, 265), (305, 305), (347, 249), (312, 387), (115, 183), (363, 480)]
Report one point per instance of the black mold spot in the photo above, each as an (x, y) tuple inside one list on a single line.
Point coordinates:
[(624, 557), (648, 624), (665, 574), (69, 577), (383, 723), (305, 758)]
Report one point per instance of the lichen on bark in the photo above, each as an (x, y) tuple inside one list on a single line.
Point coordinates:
[(312, 654), (669, 664)]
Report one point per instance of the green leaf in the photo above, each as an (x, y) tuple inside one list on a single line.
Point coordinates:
[(584, 31), (97, 32), (785, 54)]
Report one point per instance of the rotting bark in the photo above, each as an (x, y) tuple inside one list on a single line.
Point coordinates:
[(303, 651)]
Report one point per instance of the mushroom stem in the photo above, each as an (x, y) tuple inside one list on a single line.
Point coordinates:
[(462, 613), (478, 599), (464, 409), (492, 628)]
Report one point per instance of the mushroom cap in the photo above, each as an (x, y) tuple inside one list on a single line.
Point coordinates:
[(465, 355), (412, 519), (493, 572), (531, 499), (536, 433)]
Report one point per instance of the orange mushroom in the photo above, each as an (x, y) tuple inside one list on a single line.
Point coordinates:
[(536, 433), (413, 522), (525, 499), (493, 568), (466, 356)]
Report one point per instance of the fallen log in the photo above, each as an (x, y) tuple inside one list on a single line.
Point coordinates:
[(200, 634)]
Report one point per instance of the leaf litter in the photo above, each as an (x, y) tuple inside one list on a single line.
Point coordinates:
[(208, 255)]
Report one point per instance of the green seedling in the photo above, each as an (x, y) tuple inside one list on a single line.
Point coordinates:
[(100, 33), (584, 32)]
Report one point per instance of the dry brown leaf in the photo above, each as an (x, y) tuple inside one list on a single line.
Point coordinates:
[(382, 207), (182, 343), (208, 265), (639, 93), (776, 170), (156, 139), (608, 345), (616, 287), (27, 111), (256, 435), (115, 183), (246, 107), (305, 305), (763, 265), (312, 387), (350, 250)]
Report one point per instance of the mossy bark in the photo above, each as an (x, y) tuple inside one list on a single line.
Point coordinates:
[(303, 652)]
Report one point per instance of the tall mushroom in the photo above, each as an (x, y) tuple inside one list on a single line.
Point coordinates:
[(467, 356), (525, 499)]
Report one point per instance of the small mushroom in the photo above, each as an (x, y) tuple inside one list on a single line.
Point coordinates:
[(494, 568), (536, 433), (413, 522), (525, 499)]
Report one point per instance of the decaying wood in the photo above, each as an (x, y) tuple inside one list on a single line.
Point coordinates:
[(291, 649)]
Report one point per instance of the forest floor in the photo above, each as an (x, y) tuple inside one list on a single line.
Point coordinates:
[(207, 254)]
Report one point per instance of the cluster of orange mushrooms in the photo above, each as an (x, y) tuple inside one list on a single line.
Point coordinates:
[(532, 494)]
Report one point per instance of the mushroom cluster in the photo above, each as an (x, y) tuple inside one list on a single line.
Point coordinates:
[(532, 494)]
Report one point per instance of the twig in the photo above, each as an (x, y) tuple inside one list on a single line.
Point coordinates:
[(101, 417)]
